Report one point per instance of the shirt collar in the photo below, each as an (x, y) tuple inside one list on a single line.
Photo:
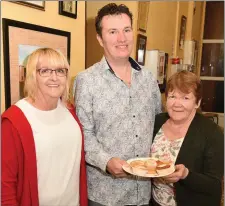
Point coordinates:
[(133, 63)]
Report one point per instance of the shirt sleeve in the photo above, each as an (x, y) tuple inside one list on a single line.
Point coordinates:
[(209, 182), (9, 165), (95, 155)]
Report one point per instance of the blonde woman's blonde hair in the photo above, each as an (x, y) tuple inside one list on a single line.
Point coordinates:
[(55, 60)]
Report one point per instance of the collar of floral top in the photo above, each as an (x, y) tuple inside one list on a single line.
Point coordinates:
[(133, 63)]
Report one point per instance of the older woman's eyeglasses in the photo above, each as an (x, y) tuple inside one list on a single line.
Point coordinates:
[(44, 72)]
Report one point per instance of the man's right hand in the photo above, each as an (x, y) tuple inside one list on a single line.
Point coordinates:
[(114, 167)]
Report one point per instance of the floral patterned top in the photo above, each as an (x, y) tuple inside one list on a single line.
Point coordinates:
[(163, 148)]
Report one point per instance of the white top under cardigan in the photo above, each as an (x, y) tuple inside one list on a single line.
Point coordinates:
[(57, 138)]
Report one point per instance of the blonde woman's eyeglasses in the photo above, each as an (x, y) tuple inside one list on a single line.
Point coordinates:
[(45, 72)]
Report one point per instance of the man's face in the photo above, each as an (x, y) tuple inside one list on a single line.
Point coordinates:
[(117, 36)]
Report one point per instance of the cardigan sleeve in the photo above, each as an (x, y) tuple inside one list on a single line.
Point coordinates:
[(9, 165), (209, 182)]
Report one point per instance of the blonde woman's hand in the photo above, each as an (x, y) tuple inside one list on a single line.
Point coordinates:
[(181, 172)]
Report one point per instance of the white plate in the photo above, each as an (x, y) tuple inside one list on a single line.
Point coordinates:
[(128, 169)]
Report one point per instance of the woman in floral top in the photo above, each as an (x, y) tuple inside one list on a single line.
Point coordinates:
[(192, 142)]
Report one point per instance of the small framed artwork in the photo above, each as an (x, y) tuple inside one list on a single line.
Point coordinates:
[(20, 39), (195, 59), (163, 64), (182, 31), (141, 49), (143, 7), (161, 67), (33, 4), (68, 8)]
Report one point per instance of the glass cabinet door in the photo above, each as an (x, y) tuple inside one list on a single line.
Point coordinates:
[(212, 60)]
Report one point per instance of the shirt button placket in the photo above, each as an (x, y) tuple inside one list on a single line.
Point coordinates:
[(136, 140)]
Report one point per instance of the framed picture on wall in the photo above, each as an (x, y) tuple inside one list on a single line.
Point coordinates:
[(182, 31), (68, 8), (141, 49), (163, 64), (34, 4), (19, 40), (143, 7)]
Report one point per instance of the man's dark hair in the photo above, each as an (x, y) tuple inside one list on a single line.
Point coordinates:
[(111, 9)]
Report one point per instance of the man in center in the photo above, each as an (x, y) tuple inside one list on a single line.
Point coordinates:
[(116, 101)]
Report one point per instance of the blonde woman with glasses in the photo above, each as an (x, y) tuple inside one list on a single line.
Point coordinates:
[(42, 141)]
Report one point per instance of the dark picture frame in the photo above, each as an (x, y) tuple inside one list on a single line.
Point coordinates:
[(33, 4), (18, 34), (141, 49), (68, 8), (162, 86), (182, 31)]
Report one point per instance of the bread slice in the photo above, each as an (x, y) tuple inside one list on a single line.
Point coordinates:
[(137, 163), (162, 166), (139, 170), (165, 169), (150, 164)]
